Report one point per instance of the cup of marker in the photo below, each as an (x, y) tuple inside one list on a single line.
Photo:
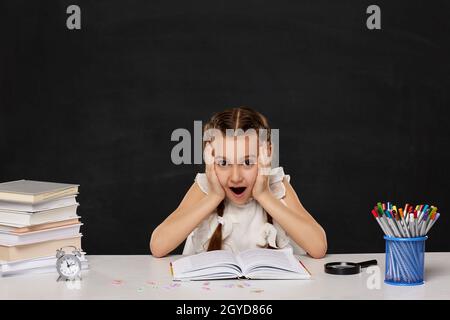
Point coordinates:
[(405, 232)]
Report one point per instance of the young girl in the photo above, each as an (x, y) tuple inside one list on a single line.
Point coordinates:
[(239, 202)]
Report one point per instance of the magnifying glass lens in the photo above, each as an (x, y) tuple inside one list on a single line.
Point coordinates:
[(343, 266)]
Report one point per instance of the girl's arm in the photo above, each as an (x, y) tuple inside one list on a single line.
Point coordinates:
[(295, 220), (194, 207)]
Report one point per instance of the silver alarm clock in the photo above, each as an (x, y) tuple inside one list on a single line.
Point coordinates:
[(68, 265)]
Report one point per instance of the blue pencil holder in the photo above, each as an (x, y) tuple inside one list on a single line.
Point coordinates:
[(405, 261)]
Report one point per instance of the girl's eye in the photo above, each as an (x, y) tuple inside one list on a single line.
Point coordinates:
[(248, 162), (222, 162)]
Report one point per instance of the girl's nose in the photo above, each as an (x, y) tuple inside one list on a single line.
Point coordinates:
[(235, 174)]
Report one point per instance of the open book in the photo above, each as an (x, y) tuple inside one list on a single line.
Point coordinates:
[(250, 264)]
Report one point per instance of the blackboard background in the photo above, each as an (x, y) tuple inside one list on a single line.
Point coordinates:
[(363, 115)]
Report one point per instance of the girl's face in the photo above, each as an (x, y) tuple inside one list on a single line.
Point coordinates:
[(236, 165)]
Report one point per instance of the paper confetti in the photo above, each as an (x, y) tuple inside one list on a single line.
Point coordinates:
[(153, 284), (117, 282), (206, 283), (247, 284), (140, 289), (171, 286), (257, 291), (230, 285), (206, 288)]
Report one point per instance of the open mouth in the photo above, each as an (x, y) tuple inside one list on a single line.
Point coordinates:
[(238, 190)]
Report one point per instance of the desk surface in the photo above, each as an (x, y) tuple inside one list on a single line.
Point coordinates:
[(145, 277)]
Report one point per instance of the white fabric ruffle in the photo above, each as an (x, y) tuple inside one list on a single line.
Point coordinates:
[(243, 226)]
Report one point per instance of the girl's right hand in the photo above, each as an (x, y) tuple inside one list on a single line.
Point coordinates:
[(215, 188)]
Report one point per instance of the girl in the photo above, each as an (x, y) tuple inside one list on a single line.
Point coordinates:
[(239, 202)]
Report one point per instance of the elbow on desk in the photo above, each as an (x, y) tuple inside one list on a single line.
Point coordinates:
[(321, 249), (318, 254), (155, 248)]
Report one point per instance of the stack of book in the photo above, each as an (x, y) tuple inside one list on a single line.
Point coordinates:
[(36, 219)]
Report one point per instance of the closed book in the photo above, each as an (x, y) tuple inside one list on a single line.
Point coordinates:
[(43, 226), (13, 239), (23, 266), (36, 250), (31, 192), (41, 206), (39, 270), (23, 219)]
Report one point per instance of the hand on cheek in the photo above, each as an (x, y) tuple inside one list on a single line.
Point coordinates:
[(261, 186), (215, 188)]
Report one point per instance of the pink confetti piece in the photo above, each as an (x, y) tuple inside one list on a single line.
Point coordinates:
[(206, 283), (152, 283), (117, 282), (206, 288), (257, 291)]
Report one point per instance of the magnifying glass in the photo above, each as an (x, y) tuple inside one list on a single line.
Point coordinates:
[(345, 268)]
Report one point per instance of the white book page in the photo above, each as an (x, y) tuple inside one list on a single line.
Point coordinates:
[(216, 272), (205, 260), (266, 259)]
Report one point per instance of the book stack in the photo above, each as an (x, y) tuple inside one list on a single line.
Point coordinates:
[(36, 219)]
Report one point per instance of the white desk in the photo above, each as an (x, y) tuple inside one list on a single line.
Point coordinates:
[(145, 277)]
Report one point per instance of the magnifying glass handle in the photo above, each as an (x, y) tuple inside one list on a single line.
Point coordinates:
[(366, 264)]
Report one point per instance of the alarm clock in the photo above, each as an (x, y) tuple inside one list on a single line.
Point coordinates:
[(68, 265)]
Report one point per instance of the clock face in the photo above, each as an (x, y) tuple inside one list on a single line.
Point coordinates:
[(69, 266)]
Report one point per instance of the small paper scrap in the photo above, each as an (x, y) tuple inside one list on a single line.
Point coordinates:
[(257, 291), (117, 282)]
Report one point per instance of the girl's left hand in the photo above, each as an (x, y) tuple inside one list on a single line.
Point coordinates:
[(264, 166)]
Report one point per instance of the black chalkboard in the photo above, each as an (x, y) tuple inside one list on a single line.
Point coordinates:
[(363, 114)]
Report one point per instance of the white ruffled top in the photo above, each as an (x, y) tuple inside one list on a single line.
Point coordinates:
[(243, 226)]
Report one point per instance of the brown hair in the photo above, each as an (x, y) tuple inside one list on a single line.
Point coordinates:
[(235, 118)]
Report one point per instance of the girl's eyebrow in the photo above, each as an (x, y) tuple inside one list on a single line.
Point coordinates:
[(250, 157), (222, 158)]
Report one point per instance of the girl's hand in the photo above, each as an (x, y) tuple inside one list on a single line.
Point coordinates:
[(261, 186), (215, 188)]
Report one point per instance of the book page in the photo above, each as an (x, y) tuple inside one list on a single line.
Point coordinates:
[(270, 258), (205, 260)]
